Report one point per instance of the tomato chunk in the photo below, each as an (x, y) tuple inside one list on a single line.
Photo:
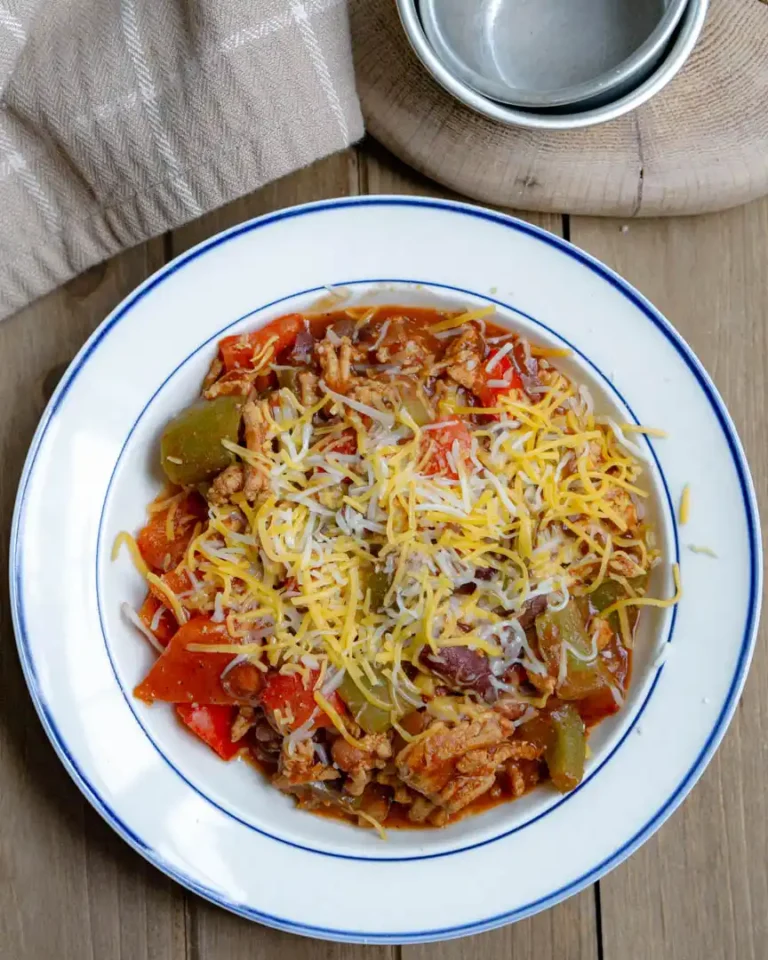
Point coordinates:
[(295, 701), (158, 551), (237, 352), (180, 675), (442, 438), (492, 388), (213, 724), (166, 623)]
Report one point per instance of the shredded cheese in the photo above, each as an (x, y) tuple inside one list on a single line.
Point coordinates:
[(125, 539), (348, 564), (685, 505), (705, 551)]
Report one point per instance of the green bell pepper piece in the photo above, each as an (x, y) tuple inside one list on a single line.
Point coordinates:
[(191, 449), (567, 749), (371, 718), (583, 676)]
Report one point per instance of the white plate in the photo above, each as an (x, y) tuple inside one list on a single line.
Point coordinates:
[(219, 829)]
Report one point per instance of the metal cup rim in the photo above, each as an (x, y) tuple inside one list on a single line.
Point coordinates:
[(680, 49), (628, 70)]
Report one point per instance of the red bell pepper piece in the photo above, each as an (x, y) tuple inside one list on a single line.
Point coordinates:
[(213, 724), (296, 702), (503, 369), (180, 675), (442, 439), (166, 624), (158, 551), (237, 352), (179, 582)]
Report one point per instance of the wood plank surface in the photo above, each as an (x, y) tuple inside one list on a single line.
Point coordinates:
[(71, 889), (699, 888)]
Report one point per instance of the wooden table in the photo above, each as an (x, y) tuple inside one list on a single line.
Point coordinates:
[(70, 889)]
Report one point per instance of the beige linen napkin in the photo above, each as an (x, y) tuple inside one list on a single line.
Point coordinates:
[(120, 119)]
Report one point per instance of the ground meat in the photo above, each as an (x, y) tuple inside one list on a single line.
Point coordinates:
[(623, 504), (374, 393), (256, 426), (522, 773), (228, 482), (543, 682), (453, 765), (308, 388), (246, 719), (420, 809), (359, 762), (402, 346), (464, 358), (298, 764), (336, 363), (236, 383), (624, 565), (214, 372)]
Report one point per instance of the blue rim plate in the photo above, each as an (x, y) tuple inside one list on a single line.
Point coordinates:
[(206, 824)]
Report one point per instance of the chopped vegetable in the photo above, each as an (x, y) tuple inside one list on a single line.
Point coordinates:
[(609, 592), (567, 749), (562, 633), (492, 386), (158, 551), (213, 724), (295, 700), (183, 676), (158, 619), (370, 717), (442, 439), (379, 584), (191, 448), (238, 352), (289, 379)]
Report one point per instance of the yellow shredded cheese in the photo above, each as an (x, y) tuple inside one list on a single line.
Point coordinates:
[(350, 557), (460, 319), (648, 601), (125, 539), (172, 600), (685, 505)]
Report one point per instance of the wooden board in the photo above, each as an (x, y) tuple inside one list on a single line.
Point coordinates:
[(71, 889), (701, 144)]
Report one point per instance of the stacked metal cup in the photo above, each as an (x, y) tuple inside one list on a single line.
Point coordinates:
[(553, 64)]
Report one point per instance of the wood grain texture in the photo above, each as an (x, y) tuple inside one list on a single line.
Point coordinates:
[(69, 887), (382, 172), (566, 932), (699, 888), (701, 144)]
